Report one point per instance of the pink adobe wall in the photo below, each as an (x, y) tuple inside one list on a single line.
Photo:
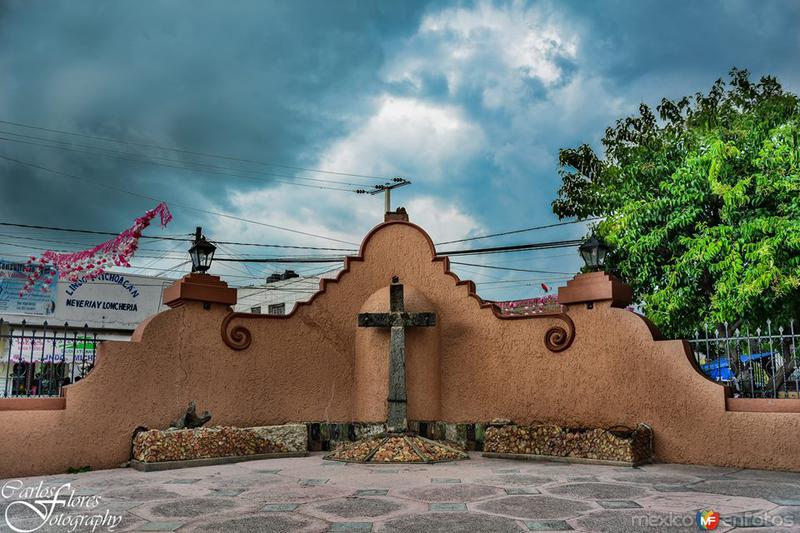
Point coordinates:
[(316, 365)]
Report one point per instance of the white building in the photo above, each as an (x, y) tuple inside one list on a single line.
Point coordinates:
[(49, 338), (279, 294)]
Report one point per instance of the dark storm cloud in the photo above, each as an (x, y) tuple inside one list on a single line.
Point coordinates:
[(286, 81), (268, 81)]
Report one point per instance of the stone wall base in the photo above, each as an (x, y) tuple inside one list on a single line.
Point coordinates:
[(171, 445), (613, 445)]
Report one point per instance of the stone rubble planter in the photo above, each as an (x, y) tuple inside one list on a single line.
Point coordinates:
[(179, 448), (618, 445), (394, 449)]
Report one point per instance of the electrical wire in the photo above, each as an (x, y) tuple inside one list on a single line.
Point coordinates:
[(173, 238), (171, 204), (190, 152), (96, 150), (182, 167), (494, 267), (513, 232)]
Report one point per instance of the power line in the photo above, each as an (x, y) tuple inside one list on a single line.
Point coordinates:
[(171, 204), (514, 248), (512, 232), (137, 159), (190, 152), (167, 238), (21, 237), (100, 150), (475, 251), (511, 269), (335, 259)]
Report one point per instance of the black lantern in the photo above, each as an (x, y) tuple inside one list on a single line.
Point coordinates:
[(201, 252), (593, 253)]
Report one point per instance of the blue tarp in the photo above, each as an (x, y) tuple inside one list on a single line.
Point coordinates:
[(719, 369)]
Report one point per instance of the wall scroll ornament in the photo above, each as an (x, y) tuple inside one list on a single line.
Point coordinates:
[(556, 339)]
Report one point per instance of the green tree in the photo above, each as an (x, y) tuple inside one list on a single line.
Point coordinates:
[(701, 201)]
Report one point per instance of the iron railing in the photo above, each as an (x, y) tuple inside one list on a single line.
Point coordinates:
[(38, 360), (760, 363)]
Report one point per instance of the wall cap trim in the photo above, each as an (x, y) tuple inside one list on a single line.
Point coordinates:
[(199, 288), (596, 287), (762, 405)]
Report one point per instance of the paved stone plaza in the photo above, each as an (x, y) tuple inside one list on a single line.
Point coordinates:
[(478, 495)]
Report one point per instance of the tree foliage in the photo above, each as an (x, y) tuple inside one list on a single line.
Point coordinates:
[(701, 200)]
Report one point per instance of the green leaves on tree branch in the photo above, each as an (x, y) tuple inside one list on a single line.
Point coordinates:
[(702, 204)]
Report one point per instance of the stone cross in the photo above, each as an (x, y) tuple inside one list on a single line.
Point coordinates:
[(397, 319)]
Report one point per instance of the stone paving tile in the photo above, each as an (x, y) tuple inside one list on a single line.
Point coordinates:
[(359, 507), (226, 492), (652, 478), (534, 507), (785, 501), (671, 488), (160, 526), (278, 523), (768, 475), (639, 521), (514, 479), (141, 493), (274, 498), (187, 508), (456, 492), (372, 492), (351, 526), (618, 504), (598, 491), (748, 488), (547, 525), (293, 492), (692, 501), (522, 490), (451, 523), (583, 479), (445, 480), (701, 471), (447, 507), (279, 507)]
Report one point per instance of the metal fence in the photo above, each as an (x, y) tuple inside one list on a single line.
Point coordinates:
[(760, 363), (38, 360)]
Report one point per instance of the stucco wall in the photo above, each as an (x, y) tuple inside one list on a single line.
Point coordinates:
[(316, 365)]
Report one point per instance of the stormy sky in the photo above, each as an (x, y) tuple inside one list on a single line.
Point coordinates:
[(469, 100)]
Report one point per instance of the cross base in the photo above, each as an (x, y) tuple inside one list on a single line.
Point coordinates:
[(396, 448)]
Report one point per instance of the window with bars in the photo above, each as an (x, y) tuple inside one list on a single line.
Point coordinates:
[(277, 309)]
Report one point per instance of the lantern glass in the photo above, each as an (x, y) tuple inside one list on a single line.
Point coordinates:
[(593, 252), (202, 254)]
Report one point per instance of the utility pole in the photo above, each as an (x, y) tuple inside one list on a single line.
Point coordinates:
[(386, 188)]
